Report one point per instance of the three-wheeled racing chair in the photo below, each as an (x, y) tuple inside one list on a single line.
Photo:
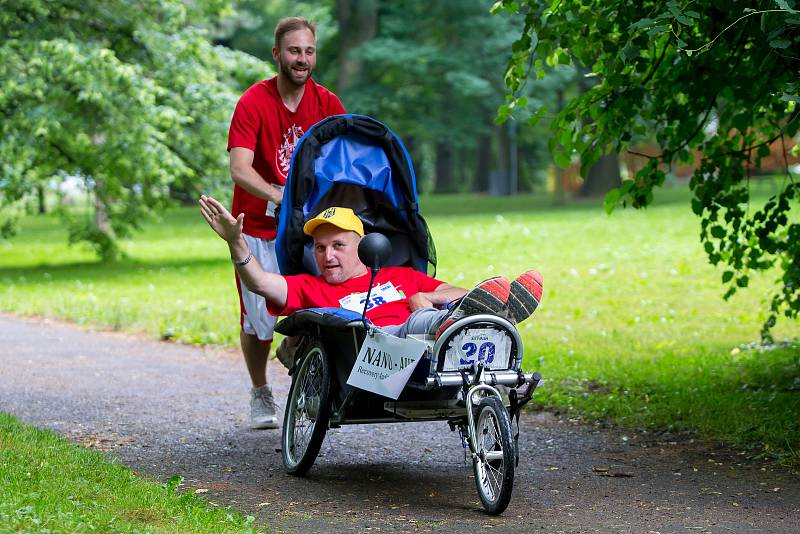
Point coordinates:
[(357, 162)]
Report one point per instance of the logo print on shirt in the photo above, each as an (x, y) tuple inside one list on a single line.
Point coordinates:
[(283, 156)]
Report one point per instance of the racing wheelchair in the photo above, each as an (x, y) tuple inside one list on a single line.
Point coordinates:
[(357, 162)]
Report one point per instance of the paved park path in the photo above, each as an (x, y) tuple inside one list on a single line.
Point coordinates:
[(166, 409)]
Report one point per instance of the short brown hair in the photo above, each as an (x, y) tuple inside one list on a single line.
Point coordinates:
[(290, 24)]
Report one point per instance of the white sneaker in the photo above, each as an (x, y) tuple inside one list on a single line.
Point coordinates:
[(263, 410)]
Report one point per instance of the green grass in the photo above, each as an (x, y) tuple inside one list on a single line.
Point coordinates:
[(176, 284), (632, 328), (49, 485)]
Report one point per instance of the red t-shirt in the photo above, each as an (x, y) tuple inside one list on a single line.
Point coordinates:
[(388, 300), (263, 124)]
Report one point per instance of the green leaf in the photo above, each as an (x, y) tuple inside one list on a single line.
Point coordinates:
[(697, 207), (727, 276), (611, 200), (534, 119), (678, 14), (655, 30), (729, 293), (496, 7), (641, 24), (783, 4), (503, 113), (630, 52), (561, 158)]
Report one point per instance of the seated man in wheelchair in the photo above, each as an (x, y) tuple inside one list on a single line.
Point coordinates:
[(404, 300), (420, 359), (404, 303)]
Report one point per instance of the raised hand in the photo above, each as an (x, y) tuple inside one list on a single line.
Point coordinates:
[(220, 219)]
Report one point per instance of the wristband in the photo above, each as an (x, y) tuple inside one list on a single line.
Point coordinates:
[(244, 261)]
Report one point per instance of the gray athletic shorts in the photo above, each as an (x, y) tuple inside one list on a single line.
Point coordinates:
[(255, 319)]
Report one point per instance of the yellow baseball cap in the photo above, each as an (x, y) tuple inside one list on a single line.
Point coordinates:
[(343, 218)]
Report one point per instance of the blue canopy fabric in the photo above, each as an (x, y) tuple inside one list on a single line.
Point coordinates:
[(352, 161)]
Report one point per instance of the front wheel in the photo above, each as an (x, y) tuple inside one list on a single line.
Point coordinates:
[(494, 462), (308, 410)]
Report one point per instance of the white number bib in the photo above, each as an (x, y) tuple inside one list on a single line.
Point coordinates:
[(479, 345), (380, 295)]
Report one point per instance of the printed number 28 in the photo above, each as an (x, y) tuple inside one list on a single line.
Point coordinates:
[(375, 300), (485, 353)]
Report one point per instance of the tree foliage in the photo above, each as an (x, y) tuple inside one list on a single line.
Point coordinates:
[(252, 25), (130, 96), (716, 81), (433, 72)]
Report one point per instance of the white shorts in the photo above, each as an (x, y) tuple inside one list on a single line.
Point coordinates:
[(255, 319)]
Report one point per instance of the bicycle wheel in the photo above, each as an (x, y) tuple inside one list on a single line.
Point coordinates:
[(494, 464), (308, 410)]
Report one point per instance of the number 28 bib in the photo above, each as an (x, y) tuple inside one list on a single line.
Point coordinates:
[(380, 295)]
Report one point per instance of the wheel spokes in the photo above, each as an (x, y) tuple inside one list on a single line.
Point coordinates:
[(308, 391), (491, 452)]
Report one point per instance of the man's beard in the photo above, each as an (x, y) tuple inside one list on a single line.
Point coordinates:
[(286, 69), (335, 278)]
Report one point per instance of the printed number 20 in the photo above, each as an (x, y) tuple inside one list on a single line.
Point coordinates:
[(485, 353)]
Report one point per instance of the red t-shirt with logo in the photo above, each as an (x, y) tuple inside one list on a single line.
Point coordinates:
[(388, 299), (263, 124)]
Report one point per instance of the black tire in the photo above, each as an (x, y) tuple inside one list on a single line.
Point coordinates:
[(494, 464), (308, 410)]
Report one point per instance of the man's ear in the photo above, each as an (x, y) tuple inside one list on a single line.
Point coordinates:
[(275, 53)]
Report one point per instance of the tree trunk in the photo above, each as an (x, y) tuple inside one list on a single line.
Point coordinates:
[(358, 22), (444, 167), (499, 177), (602, 177), (513, 160), (483, 155), (40, 198), (559, 193), (101, 220)]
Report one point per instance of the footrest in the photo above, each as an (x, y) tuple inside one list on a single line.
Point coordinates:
[(425, 409)]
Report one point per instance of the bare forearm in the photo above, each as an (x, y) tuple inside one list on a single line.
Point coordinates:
[(445, 293), (269, 285), (248, 179)]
